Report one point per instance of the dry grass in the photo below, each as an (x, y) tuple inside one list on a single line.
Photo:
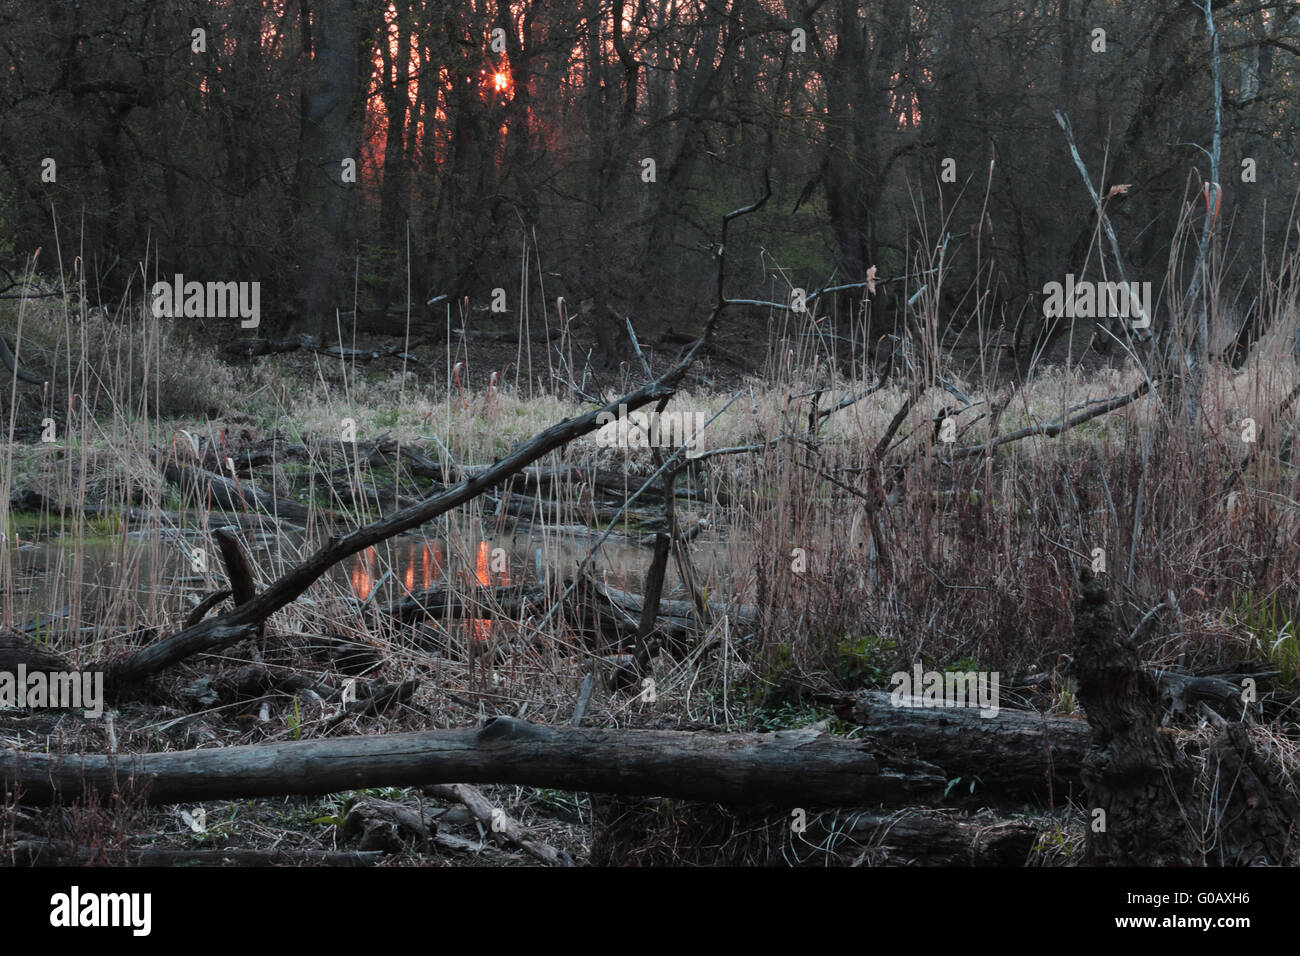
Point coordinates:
[(859, 566)]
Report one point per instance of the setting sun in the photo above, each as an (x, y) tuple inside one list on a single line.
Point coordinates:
[(501, 81)]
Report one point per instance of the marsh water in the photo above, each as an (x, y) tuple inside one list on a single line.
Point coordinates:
[(136, 576)]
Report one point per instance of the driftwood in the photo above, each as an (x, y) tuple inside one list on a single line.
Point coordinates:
[(789, 768)]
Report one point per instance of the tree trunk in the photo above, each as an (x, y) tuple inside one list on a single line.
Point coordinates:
[(792, 768), (331, 106), (1015, 752), (1135, 775)]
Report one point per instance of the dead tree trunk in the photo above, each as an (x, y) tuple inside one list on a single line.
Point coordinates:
[(1016, 752), (797, 768), (1139, 788)]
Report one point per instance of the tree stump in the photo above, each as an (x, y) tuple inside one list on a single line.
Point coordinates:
[(1134, 773)]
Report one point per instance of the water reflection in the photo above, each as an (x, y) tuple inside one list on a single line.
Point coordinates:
[(421, 565)]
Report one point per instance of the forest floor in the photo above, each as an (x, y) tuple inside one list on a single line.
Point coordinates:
[(99, 539)]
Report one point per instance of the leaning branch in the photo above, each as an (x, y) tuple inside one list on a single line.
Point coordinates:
[(216, 633), (1083, 413)]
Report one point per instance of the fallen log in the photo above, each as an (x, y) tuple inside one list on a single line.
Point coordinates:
[(27, 500), (232, 495), (1016, 752), (17, 649), (386, 825), (11, 362), (260, 346), (508, 600), (1158, 805), (791, 768), (37, 852), (743, 616), (925, 837)]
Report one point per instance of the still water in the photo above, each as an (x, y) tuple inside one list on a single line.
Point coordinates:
[(151, 577)]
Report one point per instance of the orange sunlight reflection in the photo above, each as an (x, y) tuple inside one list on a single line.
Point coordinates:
[(419, 567)]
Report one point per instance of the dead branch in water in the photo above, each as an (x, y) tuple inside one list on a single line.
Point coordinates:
[(219, 632)]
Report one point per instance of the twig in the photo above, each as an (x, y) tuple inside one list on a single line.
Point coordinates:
[(1052, 429), (1141, 329)]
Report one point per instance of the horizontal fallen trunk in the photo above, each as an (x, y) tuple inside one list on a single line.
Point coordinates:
[(925, 837), (11, 362), (259, 346), (27, 500), (17, 649), (37, 852), (743, 616), (509, 601), (1015, 752), (791, 768), (230, 494)]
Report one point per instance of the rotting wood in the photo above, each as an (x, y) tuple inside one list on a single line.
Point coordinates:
[(231, 494), (385, 825), (497, 821), (794, 768), (33, 851), (18, 649), (743, 616), (1014, 752), (207, 604), (508, 601), (924, 837), (11, 363), (27, 500), (654, 585), (1134, 775)]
